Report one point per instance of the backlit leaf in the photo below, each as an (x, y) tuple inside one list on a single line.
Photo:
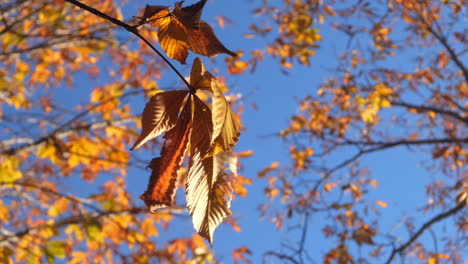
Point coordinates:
[(203, 41), (189, 15), (160, 115), (207, 193), (172, 37), (161, 187), (200, 78), (226, 127)]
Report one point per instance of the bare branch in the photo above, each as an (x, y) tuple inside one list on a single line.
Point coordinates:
[(425, 227)]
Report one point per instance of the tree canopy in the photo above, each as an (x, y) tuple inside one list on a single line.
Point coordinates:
[(97, 97)]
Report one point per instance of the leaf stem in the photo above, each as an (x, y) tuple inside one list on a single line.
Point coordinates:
[(131, 29)]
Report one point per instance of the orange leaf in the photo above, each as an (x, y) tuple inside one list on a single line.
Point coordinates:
[(203, 41), (173, 38), (382, 203), (161, 187), (160, 115)]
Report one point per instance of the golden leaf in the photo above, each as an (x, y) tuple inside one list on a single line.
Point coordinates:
[(160, 115), (182, 30), (200, 78), (172, 37), (226, 129), (161, 187), (207, 193)]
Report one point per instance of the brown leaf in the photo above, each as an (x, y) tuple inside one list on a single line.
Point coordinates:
[(150, 12), (203, 41), (200, 78), (208, 193), (161, 187), (160, 115), (200, 138), (226, 128), (189, 15)]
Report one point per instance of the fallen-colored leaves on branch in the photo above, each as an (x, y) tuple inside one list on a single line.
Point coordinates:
[(181, 29), (208, 134)]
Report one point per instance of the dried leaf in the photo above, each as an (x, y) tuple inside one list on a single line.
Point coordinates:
[(160, 115), (150, 12), (200, 78), (207, 193), (189, 15), (200, 138), (161, 187), (203, 41), (226, 129)]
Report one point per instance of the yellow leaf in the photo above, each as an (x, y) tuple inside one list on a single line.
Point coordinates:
[(9, 169), (382, 203)]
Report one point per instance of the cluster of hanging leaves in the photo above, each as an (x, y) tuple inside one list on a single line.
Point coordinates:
[(207, 134)]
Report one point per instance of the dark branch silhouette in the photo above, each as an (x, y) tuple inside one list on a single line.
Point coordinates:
[(424, 228)]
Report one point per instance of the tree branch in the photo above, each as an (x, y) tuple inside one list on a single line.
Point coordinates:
[(131, 29), (452, 53), (425, 227), (407, 142), (426, 108)]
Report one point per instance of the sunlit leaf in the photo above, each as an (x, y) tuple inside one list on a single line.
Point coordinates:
[(200, 78), (161, 187), (160, 115), (208, 193), (203, 41), (226, 127)]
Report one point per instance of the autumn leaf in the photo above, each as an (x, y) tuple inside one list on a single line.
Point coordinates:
[(226, 129), (160, 115), (182, 30), (200, 137), (200, 78), (151, 11), (189, 15), (203, 41), (172, 37), (161, 187), (207, 193)]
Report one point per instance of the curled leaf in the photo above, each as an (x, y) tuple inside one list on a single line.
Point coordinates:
[(161, 187)]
